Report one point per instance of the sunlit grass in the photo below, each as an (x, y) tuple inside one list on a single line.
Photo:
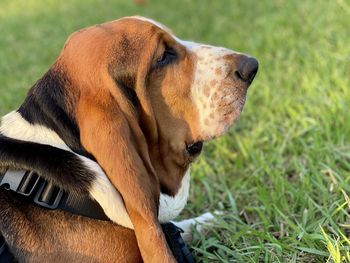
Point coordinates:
[(282, 174)]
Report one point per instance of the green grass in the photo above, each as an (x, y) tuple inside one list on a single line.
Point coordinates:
[(282, 174)]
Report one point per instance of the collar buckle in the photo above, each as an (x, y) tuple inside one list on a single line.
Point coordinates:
[(48, 195), (21, 182), (29, 184)]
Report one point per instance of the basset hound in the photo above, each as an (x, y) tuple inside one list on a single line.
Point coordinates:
[(120, 116)]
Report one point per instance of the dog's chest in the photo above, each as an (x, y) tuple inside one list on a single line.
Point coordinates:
[(170, 207)]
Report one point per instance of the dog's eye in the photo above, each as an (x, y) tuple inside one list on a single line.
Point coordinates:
[(195, 148), (168, 56)]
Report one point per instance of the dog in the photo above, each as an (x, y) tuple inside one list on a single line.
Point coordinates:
[(118, 117)]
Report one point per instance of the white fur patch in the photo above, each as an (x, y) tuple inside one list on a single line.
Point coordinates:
[(13, 125), (170, 207), (200, 222), (107, 196)]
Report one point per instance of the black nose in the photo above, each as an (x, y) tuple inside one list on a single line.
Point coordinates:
[(247, 69)]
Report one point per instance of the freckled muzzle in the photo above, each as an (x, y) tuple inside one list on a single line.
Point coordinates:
[(221, 82), (231, 96)]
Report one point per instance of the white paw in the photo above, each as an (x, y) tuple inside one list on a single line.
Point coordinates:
[(200, 222)]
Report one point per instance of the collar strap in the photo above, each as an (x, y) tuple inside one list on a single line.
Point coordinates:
[(34, 188)]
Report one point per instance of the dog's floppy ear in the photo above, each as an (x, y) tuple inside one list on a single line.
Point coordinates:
[(108, 116)]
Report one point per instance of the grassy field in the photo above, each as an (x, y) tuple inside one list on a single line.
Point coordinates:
[(282, 174)]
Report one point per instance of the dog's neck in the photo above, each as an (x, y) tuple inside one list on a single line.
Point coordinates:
[(15, 126), (45, 107)]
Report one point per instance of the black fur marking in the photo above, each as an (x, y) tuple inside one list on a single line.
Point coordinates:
[(46, 105), (127, 84), (123, 65), (61, 167)]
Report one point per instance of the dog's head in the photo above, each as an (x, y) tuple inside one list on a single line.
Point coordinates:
[(172, 94)]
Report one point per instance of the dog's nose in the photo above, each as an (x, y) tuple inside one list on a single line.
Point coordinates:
[(247, 69)]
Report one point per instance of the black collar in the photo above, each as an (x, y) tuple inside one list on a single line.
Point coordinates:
[(31, 187)]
